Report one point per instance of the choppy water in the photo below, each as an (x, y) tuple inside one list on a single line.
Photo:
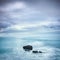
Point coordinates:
[(11, 49)]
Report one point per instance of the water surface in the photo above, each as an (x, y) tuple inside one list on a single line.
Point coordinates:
[(11, 49)]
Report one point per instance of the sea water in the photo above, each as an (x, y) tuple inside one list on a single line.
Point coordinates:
[(11, 48)]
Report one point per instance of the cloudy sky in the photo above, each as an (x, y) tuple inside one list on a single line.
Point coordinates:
[(29, 15)]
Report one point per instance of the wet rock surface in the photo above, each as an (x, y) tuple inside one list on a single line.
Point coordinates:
[(27, 48), (37, 51)]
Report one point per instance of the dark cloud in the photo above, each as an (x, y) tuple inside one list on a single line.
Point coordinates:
[(30, 1), (4, 25)]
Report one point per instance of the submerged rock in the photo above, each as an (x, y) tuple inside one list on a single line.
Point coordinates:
[(40, 52), (37, 51), (27, 47)]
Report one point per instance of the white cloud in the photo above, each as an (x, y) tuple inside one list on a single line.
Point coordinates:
[(13, 6), (16, 27), (40, 24)]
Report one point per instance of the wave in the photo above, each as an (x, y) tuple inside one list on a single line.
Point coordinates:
[(49, 53)]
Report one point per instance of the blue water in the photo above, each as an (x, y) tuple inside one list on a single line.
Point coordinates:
[(11, 49)]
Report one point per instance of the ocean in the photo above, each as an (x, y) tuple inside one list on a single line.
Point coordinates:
[(11, 48)]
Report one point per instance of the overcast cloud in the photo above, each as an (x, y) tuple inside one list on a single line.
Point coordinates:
[(26, 14)]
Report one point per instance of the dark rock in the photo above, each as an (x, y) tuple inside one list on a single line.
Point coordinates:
[(35, 51), (40, 51), (27, 47)]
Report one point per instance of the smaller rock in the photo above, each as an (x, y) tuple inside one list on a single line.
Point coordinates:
[(40, 51), (35, 51)]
